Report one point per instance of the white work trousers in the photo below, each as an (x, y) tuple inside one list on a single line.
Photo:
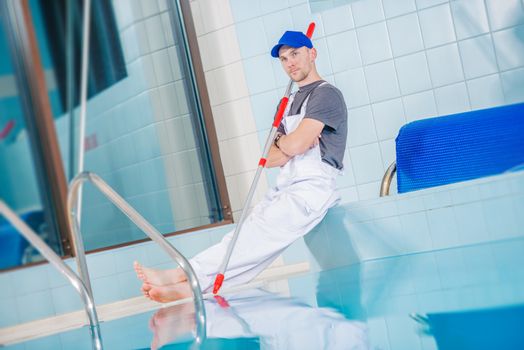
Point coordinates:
[(305, 191)]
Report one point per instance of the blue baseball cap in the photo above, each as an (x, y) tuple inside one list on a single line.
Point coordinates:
[(293, 39)]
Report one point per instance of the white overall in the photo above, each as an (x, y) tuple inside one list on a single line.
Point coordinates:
[(305, 191)]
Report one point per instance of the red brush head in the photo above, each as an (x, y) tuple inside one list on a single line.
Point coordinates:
[(218, 283)]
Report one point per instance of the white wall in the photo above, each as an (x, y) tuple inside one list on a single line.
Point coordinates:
[(237, 132)]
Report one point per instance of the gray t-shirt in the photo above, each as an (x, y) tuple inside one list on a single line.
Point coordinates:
[(327, 105)]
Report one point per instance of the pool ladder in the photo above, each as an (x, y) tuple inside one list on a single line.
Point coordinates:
[(82, 283), (56, 261), (145, 226), (387, 178)]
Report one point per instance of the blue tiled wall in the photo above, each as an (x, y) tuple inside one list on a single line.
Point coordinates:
[(461, 214), (394, 61)]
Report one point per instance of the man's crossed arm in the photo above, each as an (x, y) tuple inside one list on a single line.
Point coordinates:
[(297, 142)]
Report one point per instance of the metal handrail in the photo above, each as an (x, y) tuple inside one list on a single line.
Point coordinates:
[(386, 180), (56, 261), (145, 226)]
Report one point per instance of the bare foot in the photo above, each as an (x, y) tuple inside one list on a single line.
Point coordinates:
[(146, 287), (172, 292), (159, 277)]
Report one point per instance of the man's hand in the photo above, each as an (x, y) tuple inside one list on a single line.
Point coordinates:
[(306, 136), (276, 157), (316, 142)]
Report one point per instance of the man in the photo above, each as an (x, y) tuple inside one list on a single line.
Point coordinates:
[(309, 148)]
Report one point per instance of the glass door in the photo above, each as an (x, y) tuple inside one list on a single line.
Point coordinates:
[(31, 180)]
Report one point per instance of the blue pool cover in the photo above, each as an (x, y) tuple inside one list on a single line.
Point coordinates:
[(459, 147)]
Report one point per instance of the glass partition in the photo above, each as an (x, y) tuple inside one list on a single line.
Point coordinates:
[(145, 130), (22, 179)]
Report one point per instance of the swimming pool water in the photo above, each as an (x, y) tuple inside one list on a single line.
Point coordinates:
[(462, 298)]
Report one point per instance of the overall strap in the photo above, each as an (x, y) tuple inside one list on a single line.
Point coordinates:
[(289, 103)]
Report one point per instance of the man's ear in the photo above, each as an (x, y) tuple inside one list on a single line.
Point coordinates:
[(313, 53)]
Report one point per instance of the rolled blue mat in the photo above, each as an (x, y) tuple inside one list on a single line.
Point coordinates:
[(459, 147)]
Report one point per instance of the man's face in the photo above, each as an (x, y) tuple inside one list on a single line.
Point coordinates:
[(297, 62)]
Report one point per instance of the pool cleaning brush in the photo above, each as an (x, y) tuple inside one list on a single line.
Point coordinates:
[(261, 164)]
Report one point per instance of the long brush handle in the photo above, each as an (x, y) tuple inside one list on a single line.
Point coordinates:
[(261, 164)]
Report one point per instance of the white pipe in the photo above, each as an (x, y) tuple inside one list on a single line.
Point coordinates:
[(79, 244), (83, 99), (83, 84)]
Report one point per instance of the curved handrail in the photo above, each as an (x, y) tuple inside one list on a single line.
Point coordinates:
[(386, 179), (56, 261), (145, 226)]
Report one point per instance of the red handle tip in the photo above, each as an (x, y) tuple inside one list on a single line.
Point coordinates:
[(218, 283), (310, 30)]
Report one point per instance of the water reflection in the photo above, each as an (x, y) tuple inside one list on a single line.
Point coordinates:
[(259, 319)]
